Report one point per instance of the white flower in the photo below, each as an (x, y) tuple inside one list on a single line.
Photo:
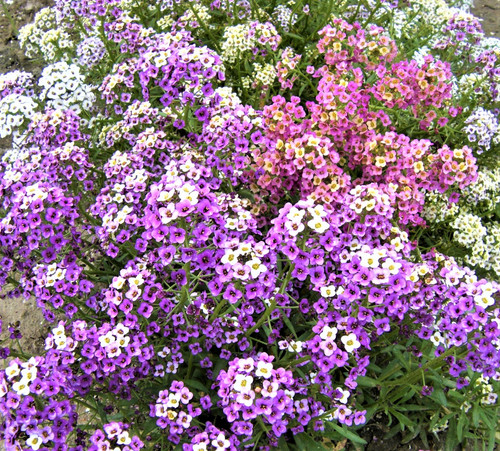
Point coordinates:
[(242, 383), (329, 291), (264, 369), (295, 215), (295, 346), (21, 387), (344, 395), (107, 339), (317, 211), (369, 260), (256, 267), (12, 370), (391, 265), (318, 225), (328, 333), (350, 342), (123, 438), (34, 442), (220, 443), (173, 400)]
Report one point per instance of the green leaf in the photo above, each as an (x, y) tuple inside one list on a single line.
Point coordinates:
[(491, 439), (497, 210), (294, 36), (483, 414), (306, 443), (282, 444), (439, 396), (344, 432), (410, 394), (401, 418), (365, 381), (246, 194), (451, 436), (289, 324), (475, 415), (196, 384), (462, 420), (413, 408)]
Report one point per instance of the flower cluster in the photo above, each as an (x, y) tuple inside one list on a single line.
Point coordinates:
[(247, 237), (43, 38), (114, 436), (15, 111), (63, 87), (252, 388), (16, 82), (90, 51), (249, 39), (482, 129), (174, 410)]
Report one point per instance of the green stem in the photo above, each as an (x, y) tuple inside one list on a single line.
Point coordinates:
[(415, 375), (10, 18), (263, 318)]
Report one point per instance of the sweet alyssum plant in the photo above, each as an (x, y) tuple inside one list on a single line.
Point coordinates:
[(221, 207)]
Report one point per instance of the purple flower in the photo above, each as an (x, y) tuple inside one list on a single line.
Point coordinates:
[(179, 277)]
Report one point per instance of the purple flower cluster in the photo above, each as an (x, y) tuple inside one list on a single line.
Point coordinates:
[(174, 410), (90, 51), (35, 402), (116, 437), (16, 82)]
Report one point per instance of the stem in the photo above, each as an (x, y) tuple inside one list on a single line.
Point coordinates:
[(10, 18), (263, 318), (414, 376)]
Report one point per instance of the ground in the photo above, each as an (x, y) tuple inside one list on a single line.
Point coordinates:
[(31, 324)]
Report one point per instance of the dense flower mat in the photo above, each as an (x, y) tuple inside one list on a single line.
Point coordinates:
[(252, 225)]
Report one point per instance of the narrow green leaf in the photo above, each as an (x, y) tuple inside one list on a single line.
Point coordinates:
[(475, 415), (196, 384), (306, 443), (365, 381), (439, 396), (451, 436), (344, 432), (461, 425), (294, 36), (401, 418)]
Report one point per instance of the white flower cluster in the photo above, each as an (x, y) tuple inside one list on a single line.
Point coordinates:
[(488, 394), (485, 189), (246, 37), (264, 74), (482, 241), (14, 82), (235, 42), (43, 37), (478, 87), (420, 54), (361, 10), (285, 17), (15, 109), (408, 21), (63, 87), (437, 208), (482, 128), (485, 253), (17, 151), (165, 23), (192, 18), (468, 229), (90, 51)]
